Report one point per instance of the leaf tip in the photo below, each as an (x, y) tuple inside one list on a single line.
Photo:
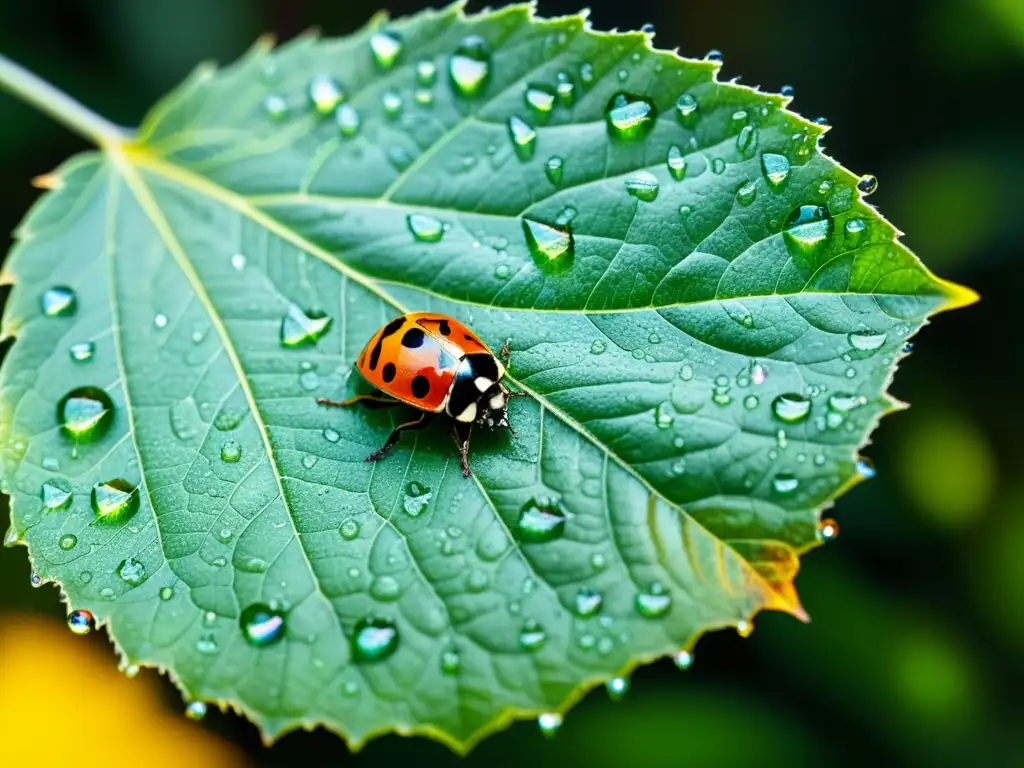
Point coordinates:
[(957, 296), (47, 181)]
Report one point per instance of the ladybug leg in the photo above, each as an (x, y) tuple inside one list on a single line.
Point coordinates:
[(462, 432), (375, 399), (504, 352), (394, 437)]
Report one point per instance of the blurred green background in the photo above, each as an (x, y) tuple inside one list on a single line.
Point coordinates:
[(915, 655)]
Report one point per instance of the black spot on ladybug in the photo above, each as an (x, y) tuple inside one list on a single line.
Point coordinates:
[(420, 387), (413, 338), (388, 330), (467, 337), (444, 328), (389, 372)]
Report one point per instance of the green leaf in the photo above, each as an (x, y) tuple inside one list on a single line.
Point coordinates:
[(703, 309)]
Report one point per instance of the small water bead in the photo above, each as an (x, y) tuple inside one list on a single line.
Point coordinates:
[(225, 535), (262, 625), (746, 141), (541, 519), (746, 194), (548, 246), (549, 723), (843, 403), (85, 577), (866, 341), (82, 352), (132, 571), (424, 228), (865, 468), (653, 603), (385, 589), (850, 373), (867, 184), (532, 636), (587, 74), (623, 75), (303, 329), (115, 500), (744, 628), (451, 661), (392, 104), (503, 272), (59, 301), (386, 48), (230, 451), (426, 72), (67, 542), (553, 169), (196, 710), (565, 89), (819, 460), (750, 402), (166, 593), (664, 416), (791, 408), (400, 158), (325, 94), (524, 138), (238, 261), (55, 495), (349, 529), (423, 96), (687, 110), (676, 162), (828, 530), (643, 185), (416, 499), (374, 640), (629, 117), (470, 66), (207, 645), (309, 461), (35, 580), (347, 118), (587, 602), (275, 106), (85, 413), (81, 622), (808, 229), (617, 687), (683, 660), (718, 166), (785, 483), (540, 99)]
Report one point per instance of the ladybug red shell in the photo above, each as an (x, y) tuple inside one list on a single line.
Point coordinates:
[(435, 364)]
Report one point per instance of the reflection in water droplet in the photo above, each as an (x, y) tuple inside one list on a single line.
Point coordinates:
[(549, 723), (261, 625), (617, 687), (532, 636), (683, 660), (714, 55), (303, 329), (865, 468), (808, 230), (524, 138), (541, 519), (132, 571), (35, 580), (115, 501), (374, 640), (386, 48), (791, 408), (196, 710), (451, 661), (828, 530), (588, 602), (166, 593), (416, 499), (425, 228), (81, 622), (470, 66), (785, 483), (775, 169), (653, 603), (643, 185), (85, 413), (347, 118), (629, 117), (58, 301), (548, 246)]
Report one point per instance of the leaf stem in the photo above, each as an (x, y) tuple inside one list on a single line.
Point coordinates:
[(58, 105)]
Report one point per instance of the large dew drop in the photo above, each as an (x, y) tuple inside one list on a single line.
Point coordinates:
[(791, 408), (58, 301), (524, 138), (115, 501), (541, 519), (643, 185), (808, 231), (654, 602), (81, 622), (56, 495), (424, 228), (374, 640), (587, 603), (629, 117), (550, 247), (386, 48), (85, 413), (261, 625), (303, 329), (470, 66), (325, 94), (775, 169)]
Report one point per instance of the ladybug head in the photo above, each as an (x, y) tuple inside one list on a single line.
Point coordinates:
[(492, 410)]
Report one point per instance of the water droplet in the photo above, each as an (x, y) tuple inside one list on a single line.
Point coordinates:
[(160, 321), (588, 602), (587, 74), (115, 500), (828, 530), (598, 561), (540, 99), (784, 482), (132, 571), (392, 103), (81, 622), (230, 451), (553, 169), (85, 413), (56, 495), (425, 228), (59, 301), (400, 158), (598, 346), (683, 660), (548, 246), (565, 89), (275, 106), (374, 640), (349, 529), (746, 141), (451, 661), (775, 169), (788, 91), (82, 352), (261, 625), (687, 110), (416, 499), (303, 329), (166, 593), (35, 580), (386, 48), (617, 687), (423, 96), (549, 723), (718, 166), (68, 541), (524, 138), (426, 72), (532, 636), (714, 55), (470, 66), (238, 261), (744, 628), (196, 710), (865, 468), (676, 162), (629, 117), (791, 408), (207, 645), (746, 194), (347, 118), (866, 341), (750, 402), (654, 602), (867, 184), (808, 230), (350, 688), (502, 272), (541, 519), (643, 185), (332, 435), (385, 589), (844, 403), (325, 93), (664, 416)]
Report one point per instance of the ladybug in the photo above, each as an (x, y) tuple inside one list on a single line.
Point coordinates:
[(437, 365)]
